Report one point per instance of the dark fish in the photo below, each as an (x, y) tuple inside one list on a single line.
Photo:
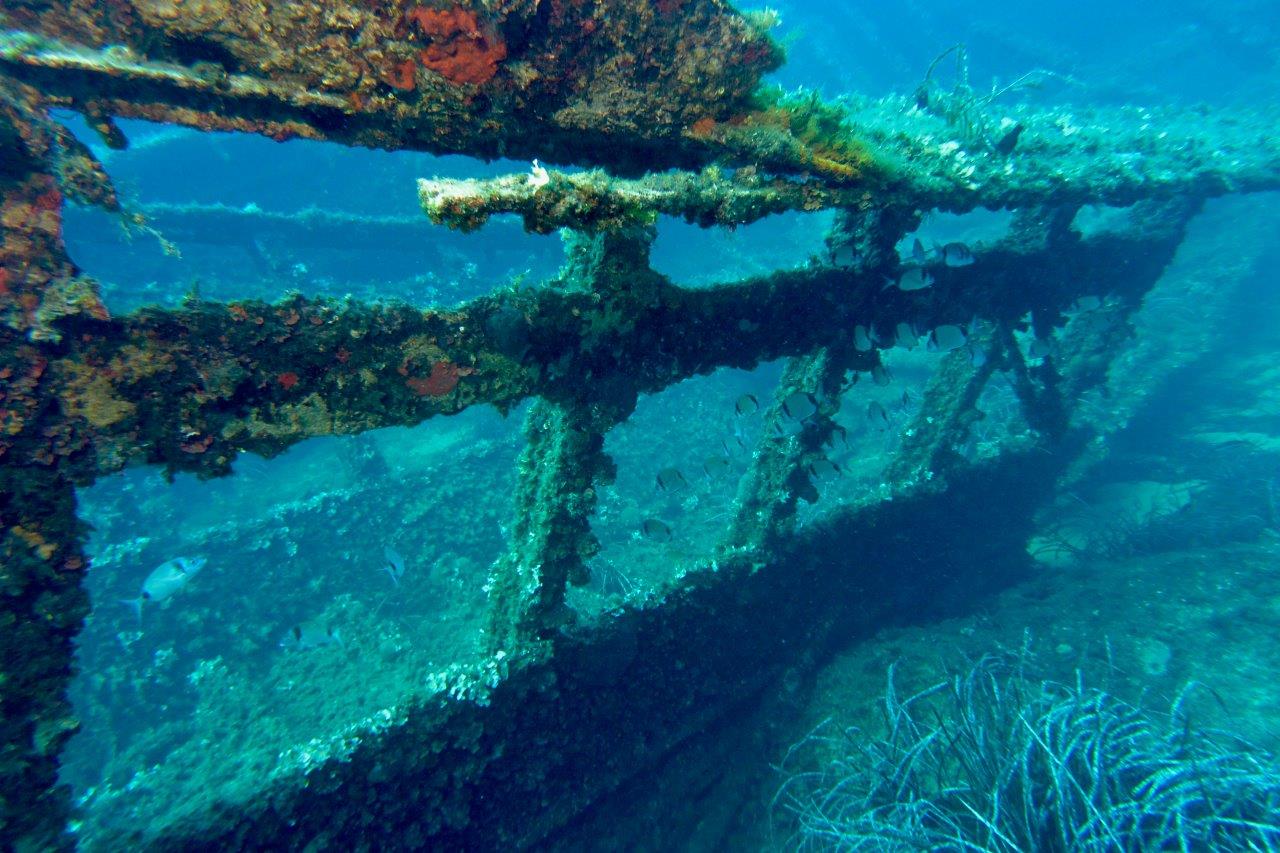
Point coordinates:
[(658, 531), (861, 339), (801, 405), (877, 415), (1009, 140), (1040, 348), (670, 479), (839, 436), (956, 255), (747, 404), (881, 375)]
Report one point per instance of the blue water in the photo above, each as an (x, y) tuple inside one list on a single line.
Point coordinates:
[(301, 540)]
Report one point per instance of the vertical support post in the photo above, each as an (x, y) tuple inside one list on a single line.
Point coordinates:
[(765, 508), (42, 604), (42, 607), (551, 539), (945, 415), (564, 459)]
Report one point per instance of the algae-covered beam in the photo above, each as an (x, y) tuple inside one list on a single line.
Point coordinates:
[(192, 386), (592, 201), (615, 81), (1121, 158)]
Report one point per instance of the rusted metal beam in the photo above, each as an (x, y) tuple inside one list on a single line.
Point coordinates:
[(614, 81)]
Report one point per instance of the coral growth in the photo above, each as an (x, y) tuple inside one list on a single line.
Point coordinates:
[(443, 379), (461, 49)]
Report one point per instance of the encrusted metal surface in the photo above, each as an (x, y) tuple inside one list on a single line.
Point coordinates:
[(632, 86)]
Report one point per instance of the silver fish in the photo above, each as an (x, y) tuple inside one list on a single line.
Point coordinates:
[(916, 278), (823, 469), (312, 634), (1084, 305), (800, 405), (1040, 348), (918, 254), (717, 466), (947, 338), (670, 480), (957, 255), (166, 579), (746, 404), (394, 565), (906, 336)]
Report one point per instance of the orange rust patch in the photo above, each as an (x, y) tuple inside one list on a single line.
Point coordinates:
[(703, 127), (443, 379), (197, 445), (461, 49)]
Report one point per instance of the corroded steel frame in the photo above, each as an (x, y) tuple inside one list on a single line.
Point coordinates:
[(83, 394)]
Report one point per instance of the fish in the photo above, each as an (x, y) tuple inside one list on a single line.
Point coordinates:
[(880, 375), (918, 253), (844, 255), (800, 406), (747, 404), (956, 255), (823, 469), (655, 529), (916, 278), (166, 579), (1084, 305), (736, 442), (946, 338), (861, 339), (670, 480), (394, 565), (717, 466), (839, 436), (977, 355), (906, 336), (311, 634), (1009, 140), (877, 414), (1040, 348)]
